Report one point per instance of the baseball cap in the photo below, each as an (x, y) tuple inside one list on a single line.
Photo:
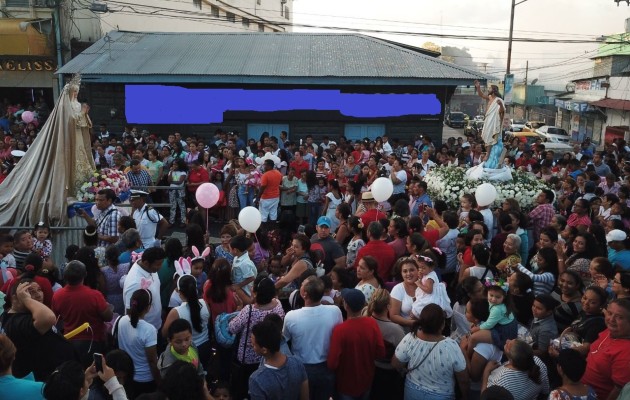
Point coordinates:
[(324, 220), (354, 298), (616, 235)]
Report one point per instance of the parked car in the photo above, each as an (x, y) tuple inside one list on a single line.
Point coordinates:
[(455, 119), (553, 134), (517, 125), (531, 126), (530, 139)]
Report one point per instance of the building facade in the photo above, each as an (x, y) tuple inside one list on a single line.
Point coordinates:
[(39, 36)]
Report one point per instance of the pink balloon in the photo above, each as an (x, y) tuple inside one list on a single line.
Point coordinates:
[(207, 195), (27, 117)]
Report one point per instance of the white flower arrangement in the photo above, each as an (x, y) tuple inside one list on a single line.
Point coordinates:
[(450, 183)]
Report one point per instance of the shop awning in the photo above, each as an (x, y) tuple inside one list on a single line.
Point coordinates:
[(615, 104), (26, 37)]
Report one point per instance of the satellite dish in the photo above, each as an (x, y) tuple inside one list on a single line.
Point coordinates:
[(534, 81)]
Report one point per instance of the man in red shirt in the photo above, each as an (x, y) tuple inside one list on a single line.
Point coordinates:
[(371, 213), (354, 346), (299, 164), (269, 194), (76, 304), (381, 251)]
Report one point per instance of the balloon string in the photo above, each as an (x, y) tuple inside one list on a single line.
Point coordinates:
[(207, 220)]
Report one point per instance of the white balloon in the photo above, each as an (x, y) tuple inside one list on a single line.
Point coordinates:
[(241, 153), (485, 194), (382, 189), (250, 219)]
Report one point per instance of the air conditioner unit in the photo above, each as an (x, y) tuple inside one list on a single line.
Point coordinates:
[(43, 3)]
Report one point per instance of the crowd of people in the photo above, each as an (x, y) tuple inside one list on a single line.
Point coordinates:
[(336, 295)]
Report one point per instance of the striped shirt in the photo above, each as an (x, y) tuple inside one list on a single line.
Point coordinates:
[(543, 283), (518, 382)]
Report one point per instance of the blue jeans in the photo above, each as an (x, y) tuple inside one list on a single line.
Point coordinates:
[(321, 381), (415, 392), (245, 195)]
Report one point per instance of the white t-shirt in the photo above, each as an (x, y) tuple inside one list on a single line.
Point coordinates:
[(400, 187), (198, 338), (387, 148), (134, 280), (309, 330), (488, 219), (478, 272), (146, 222), (134, 341), (399, 293)]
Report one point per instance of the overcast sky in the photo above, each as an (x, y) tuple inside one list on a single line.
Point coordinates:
[(556, 19)]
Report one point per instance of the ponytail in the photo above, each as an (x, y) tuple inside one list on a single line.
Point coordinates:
[(187, 286), (140, 301)]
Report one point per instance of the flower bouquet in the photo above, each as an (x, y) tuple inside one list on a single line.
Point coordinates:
[(450, 183), (104, 179)]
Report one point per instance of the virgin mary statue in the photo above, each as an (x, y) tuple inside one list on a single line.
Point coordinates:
[(56, 164)]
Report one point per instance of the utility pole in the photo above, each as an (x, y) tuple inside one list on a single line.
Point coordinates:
[(509, 57), (525, 102)]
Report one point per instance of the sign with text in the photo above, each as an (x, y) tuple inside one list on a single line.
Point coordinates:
[(27, 65)]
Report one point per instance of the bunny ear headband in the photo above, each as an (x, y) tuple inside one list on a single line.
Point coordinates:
[(182, 266), (135, 257), (198, 256)]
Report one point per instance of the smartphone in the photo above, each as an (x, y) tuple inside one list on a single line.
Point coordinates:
[(98, 361), (424, 207)]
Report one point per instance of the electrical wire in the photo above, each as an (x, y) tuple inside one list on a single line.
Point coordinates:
[(201, 15)]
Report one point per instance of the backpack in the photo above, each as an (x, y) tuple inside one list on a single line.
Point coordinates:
[(221, 329)]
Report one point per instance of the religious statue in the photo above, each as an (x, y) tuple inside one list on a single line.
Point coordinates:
[(492, 126), (79, 127), (58, 161)]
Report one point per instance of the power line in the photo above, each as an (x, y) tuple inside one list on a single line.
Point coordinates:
[(459, 27), (200, 15)]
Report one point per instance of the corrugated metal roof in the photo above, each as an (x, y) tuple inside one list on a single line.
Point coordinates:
[(259, 58), (615, 104)]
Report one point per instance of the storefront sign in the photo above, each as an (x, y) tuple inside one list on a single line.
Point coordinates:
[(16, 64)]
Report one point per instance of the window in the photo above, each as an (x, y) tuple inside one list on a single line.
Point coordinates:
[(214, 11), (261, 28), (230, 17), (17, 3), (286, 12), (246, 23), (259, 2), (281, 9), (197, 3)]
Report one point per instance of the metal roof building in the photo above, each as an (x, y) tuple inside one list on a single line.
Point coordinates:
[(347, 62)]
